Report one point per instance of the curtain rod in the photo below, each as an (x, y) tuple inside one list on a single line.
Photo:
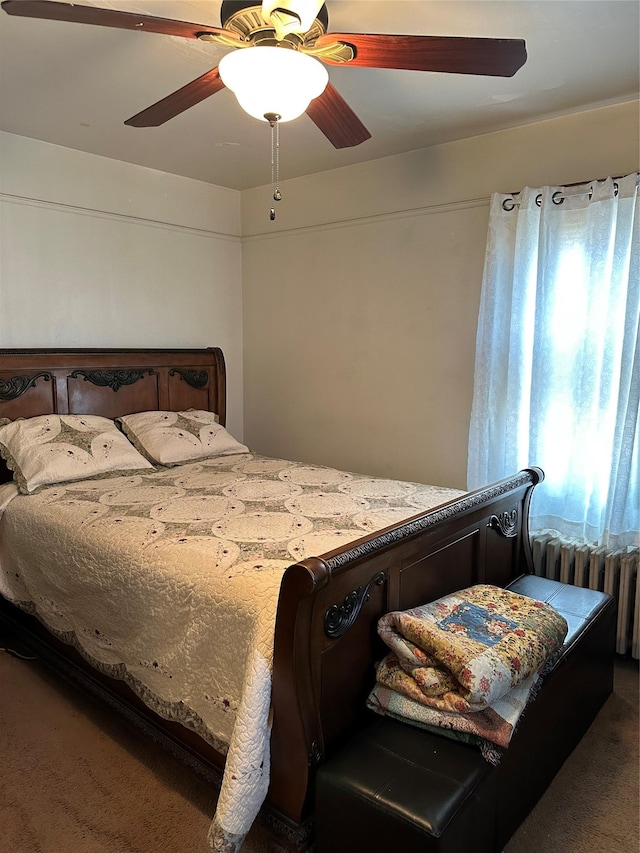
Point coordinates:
[(592, 181), (558, 197), (596, 180)]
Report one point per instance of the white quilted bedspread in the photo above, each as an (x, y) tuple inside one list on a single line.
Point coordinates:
[(170, 581)]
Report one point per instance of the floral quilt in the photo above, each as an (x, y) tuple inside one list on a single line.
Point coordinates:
[(467, 663)]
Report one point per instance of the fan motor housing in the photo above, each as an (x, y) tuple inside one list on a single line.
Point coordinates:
[(230, 8)]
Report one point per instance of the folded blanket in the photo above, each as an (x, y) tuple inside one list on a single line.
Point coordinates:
[(466, 663)]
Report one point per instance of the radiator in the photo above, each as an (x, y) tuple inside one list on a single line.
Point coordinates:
[(615, 572)]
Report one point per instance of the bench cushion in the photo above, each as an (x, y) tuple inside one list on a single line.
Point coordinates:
[(395, 787), (578, 606)]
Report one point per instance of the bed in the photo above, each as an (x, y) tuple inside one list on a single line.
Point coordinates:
[(381, 546)]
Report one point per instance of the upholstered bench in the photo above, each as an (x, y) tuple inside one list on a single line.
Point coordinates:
[(395, 787)]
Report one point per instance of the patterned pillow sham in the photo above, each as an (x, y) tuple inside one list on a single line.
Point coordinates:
[(50, 449), (169, 438)]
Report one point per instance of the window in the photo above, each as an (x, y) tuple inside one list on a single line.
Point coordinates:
[(558, 356)]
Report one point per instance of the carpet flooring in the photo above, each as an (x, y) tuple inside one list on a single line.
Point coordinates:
[(76, 780)]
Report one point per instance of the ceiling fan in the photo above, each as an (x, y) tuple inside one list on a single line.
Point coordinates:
[(283, 32)]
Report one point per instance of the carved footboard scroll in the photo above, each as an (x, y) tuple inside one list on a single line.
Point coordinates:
[(326, 643)]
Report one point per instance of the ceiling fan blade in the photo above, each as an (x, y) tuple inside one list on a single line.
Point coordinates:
[(452, 54), (51, 11), (204, 86), (335, 118)]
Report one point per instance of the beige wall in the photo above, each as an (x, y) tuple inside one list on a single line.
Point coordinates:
[(94, 252), (360, 301)]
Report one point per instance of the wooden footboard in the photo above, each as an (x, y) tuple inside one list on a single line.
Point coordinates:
[(326, 642)]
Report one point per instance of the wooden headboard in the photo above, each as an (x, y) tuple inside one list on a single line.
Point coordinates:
[(109, 382)]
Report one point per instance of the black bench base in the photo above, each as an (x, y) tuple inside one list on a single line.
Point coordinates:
[(394, 786)]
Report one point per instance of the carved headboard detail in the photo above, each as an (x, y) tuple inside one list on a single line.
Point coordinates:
[(109, 382)]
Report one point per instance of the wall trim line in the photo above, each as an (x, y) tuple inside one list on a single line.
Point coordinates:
[(119, 217), (409, 213)]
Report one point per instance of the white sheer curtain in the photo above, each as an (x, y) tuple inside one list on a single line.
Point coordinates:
[(557, 380)]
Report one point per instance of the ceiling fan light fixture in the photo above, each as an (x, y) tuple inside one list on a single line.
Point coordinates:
[(273, 80)]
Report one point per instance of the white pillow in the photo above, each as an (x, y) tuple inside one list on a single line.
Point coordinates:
[(168, 438), (52, 449)]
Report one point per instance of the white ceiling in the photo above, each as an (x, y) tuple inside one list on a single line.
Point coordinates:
[(74, 84)]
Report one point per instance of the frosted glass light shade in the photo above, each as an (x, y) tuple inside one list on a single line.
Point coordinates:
[(273, 80)]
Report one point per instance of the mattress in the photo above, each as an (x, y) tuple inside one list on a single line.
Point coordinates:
[(170, 580)]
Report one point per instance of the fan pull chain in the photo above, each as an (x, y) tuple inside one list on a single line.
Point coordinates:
[(272, 118)]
